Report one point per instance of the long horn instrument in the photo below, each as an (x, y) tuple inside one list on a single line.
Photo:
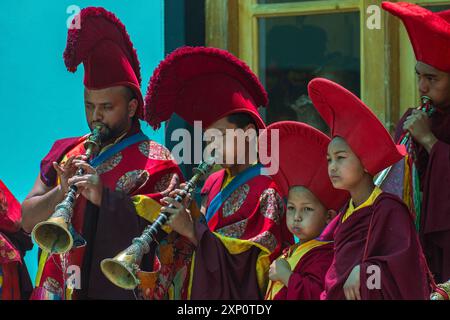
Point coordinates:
[(123, 268), (53, 235)]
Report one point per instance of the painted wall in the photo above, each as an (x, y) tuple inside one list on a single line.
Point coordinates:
[(39, 100)]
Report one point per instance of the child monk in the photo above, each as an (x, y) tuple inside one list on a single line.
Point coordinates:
[(377, 251), (312, 202)]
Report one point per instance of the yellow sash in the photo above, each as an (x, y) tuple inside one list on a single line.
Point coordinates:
[(370, 201), (293, 256), (236, 246)]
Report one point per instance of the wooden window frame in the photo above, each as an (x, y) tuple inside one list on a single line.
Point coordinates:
[(388, 81)]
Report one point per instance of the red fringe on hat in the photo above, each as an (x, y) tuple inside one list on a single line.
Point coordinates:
[(73, 35), (154, 116)]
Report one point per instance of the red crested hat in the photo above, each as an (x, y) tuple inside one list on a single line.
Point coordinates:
[(203, 84), (349, 118), (10, 210), (104, 47), (429, 32), (303, 162)]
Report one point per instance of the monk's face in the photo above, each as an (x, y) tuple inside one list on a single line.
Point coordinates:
[(306, 217), (113, 107), (235, 141), (344, 168), (434, 83)]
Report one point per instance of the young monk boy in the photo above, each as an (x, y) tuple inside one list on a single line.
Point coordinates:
[(377, 252), (299, 273)]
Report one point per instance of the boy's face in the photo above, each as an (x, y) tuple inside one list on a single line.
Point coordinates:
[(306, 217), (344, 168), (233, 147), (434, 84)]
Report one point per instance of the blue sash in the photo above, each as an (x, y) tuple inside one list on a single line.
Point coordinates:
[(78, 240), (102, 157), (239, 180)]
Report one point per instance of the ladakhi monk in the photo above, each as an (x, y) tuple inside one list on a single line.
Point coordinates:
[(241, 223), (312, 202), (430, 37), (106, 214), (377, 250)]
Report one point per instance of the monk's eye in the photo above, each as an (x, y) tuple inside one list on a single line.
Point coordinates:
[(308, 209), (290, 208)]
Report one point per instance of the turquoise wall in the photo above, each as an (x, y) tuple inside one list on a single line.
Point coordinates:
[(39, 100)]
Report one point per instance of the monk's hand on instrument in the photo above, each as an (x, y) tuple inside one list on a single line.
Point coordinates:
[(89, 184), (173, 184), (67, 170), (280, 270), (419, 125), (187, 198), (352, 285), (180, 219)]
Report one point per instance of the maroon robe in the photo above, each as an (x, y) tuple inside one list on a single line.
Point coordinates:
[(391, 243), (109, 228), (219, 275), (22, 243), (308, 278), (254, 212), (434, 171)]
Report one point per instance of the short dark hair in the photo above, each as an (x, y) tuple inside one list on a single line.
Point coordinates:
[(241, 120), (129, 93)]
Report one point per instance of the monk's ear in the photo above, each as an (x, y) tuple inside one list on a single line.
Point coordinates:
[(331, 214), (132, 107)]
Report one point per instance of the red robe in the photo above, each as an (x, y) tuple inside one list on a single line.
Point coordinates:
[(254, 213), (16, 283), (308, 278), (391, 244), (434, 170), (144, 167)]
